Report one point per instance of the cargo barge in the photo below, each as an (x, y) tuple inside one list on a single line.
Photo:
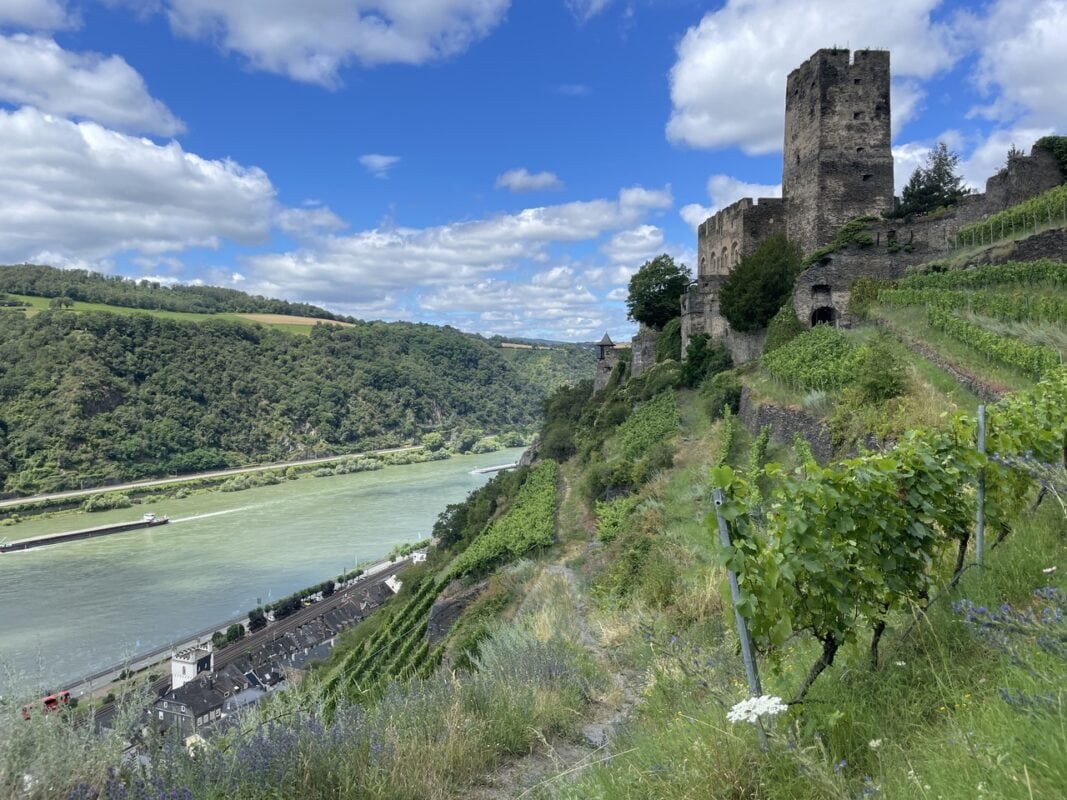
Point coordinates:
[(147, 521)]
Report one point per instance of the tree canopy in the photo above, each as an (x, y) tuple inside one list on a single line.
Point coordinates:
[(656, 291), (752, 294), (934, 185), (98, 397)]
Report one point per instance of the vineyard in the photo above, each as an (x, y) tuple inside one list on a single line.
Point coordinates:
[(834, 550), (530, 524), (1039, 212), (399, 648), (966, 305), (822, 358)]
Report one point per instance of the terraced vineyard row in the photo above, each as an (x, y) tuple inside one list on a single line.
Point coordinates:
[(1014, 307)]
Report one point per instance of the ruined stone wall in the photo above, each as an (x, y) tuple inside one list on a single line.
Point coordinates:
[(700, 311), (744, 347), (838, 163), (1022, 178), (643, 347)]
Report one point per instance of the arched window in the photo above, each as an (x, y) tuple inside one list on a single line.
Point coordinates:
[(735, 255), (724, 260)]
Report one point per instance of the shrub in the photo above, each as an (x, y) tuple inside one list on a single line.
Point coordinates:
[(752, 294), (703, 359), (722, 391), (652, 422), (612, 516), (879, 374), (669, 341), (862, 294), (107, 501), (783, 327)]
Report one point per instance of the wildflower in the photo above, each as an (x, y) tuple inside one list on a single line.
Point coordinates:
[(901, 663), (874, 744), (840, 765), (1049, 570), (753, 708)]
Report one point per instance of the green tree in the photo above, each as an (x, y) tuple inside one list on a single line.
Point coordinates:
[(433, 441), (934, 185), (656, 290), (752, 294)]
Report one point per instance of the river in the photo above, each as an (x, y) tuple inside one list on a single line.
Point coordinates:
[(70, 609)]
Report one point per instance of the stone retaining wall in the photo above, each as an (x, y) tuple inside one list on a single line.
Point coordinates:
[(786, 424)]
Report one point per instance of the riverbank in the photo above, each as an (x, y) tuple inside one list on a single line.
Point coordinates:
[(43, 502)]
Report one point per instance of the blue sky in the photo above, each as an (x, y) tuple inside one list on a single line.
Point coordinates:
[(502, 166)]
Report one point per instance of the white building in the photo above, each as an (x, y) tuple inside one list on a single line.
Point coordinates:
[(187, 664)]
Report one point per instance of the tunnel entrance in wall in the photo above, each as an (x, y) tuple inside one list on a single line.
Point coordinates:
[(824, 315)]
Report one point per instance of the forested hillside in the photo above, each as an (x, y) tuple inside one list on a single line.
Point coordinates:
[(88, 398)]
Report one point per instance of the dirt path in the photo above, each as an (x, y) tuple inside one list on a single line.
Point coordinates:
[(556, 762)]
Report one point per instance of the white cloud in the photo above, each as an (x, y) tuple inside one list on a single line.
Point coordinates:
[(79, 190), (585, 10), (574, 89), (311, 41), (988, 153), (635, 246), (36, 71), (35, 14), (364, 266), (377, 164), (1023, 58), (728, 83), (305, 222), (722, 191), (521, 180), (551, 303)]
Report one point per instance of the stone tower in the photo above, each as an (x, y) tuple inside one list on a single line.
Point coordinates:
[(838, 162)]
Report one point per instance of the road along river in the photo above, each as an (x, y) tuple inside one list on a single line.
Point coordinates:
[(70, 609)]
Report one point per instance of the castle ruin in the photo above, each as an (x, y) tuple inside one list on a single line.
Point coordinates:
[(837, 166)]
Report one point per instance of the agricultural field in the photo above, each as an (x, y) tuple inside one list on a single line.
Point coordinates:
[(300, 326)]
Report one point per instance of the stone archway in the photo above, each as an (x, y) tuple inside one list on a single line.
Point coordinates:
[(824, 315)]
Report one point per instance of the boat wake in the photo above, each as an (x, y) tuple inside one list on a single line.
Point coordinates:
[(210, 514)]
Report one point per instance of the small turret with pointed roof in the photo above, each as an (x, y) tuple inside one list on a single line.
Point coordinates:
[(606, 346)]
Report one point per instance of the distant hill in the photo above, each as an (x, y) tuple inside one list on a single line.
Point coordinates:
[(92, 287), (90, 397)]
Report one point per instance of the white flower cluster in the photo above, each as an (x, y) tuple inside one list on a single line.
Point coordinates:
[(755, 707)]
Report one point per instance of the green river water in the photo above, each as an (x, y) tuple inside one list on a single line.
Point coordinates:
[(70, 609)]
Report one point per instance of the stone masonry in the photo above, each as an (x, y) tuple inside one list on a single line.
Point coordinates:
[(837, 166)]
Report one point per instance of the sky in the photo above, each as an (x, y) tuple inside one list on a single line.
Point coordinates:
[(501, 166)]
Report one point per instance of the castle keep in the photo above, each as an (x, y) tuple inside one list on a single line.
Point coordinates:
[(837, 166)]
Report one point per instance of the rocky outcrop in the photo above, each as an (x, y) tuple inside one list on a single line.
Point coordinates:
[(445, 612)]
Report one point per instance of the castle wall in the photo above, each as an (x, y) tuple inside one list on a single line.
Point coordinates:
[(1021, 179), (733, 233), (643, 347), (838, 162)]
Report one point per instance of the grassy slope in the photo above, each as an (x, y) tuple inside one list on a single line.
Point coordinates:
[(296, 325), (933, 709)]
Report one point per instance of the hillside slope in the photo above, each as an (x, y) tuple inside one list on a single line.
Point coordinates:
[(89, 398)]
